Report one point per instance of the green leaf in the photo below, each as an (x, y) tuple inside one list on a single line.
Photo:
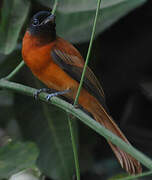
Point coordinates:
[(47, 3), (75, 17), (80, 115), (118, 176), (17, 156), (60, 158), (70, 6), (6, 98), (77, 26), (136, 177), (48, 127), (9, 63), (6, 104), (13, 15)]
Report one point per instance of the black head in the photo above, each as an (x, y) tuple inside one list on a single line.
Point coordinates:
[(43, 26)]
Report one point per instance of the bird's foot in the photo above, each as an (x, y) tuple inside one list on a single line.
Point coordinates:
[(39, 91), (56, 94), (76, 106)]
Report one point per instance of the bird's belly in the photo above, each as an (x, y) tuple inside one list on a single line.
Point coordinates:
[(54, 77)]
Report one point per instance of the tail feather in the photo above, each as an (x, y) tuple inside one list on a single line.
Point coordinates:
[(127, 162)]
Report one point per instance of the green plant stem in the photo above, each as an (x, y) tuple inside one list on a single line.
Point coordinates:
[(136, 176), (88, 53), (54, 7), (75, 153), (15, 71), (74, 147), (78, 92), (52, 127), (16, 87)]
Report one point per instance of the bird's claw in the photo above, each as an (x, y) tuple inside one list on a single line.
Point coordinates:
[(76, 106), (56, 94), (36, 94), (48, 97)]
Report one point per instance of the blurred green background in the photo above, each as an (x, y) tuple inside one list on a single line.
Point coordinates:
[(36, 136)]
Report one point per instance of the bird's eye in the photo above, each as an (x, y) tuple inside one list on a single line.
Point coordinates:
[(35, 22)]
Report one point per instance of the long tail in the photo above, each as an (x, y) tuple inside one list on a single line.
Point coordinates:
[(127, 162)]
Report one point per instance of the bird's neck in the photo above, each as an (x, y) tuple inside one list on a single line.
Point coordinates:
[(42, 39), (35, 54)]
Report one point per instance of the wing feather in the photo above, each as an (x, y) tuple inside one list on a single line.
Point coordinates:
[(73, 65)]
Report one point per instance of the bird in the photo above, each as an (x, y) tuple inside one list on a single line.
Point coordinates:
[(59, 65)]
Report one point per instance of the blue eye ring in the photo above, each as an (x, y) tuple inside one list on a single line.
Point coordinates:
[(35, 22)]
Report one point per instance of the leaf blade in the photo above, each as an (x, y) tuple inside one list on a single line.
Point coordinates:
[(79, 29), (17, 156), (13, 15), (75, 18), (61, 151), (51, 135)]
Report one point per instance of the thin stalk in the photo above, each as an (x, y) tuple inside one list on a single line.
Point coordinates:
[(15, 71), (88, 53), (52, 127), (78, 93), (22, 89), (54, 7), (75, 152), (137, 176)]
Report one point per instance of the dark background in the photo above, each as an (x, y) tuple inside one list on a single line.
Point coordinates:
[(121, 58), (123, 65)]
